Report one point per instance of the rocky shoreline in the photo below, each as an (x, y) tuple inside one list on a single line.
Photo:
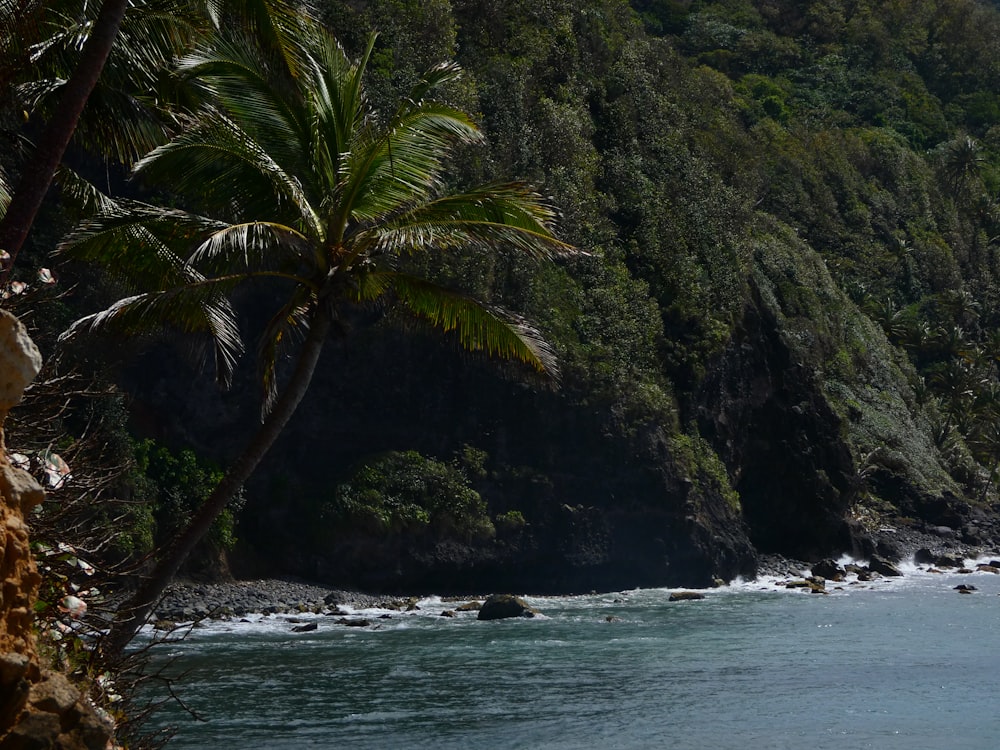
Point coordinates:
[(900, 543), (187, 601)]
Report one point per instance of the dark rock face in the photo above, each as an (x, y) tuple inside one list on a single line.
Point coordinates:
[(766, 416), (503, 606)]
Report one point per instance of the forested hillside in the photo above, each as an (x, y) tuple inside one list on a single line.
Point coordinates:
[(783, 330)]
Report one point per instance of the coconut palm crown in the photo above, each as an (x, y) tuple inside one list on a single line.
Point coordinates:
[(294, 178)]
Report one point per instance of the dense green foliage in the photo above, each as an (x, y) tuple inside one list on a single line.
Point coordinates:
[(676, 136), (175, 486)]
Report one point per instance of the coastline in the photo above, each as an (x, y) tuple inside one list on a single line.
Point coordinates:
[(189, 600)]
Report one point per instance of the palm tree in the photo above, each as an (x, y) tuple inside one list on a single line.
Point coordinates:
[(92, 75), (297, 181), (34, 183)]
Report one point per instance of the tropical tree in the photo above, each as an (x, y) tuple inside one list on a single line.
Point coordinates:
[(34, 183), (93, 76), (298, 181)]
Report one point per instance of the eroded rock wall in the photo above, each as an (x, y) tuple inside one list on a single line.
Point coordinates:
[(38, 708), (812, 410)]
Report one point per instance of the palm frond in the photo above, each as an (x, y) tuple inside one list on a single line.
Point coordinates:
[(230, 173), (86, 196), (332, 119), (404, 165), (507, 216), (439, 75), (337, 89), (286, 328), (495, 332), (120, 125), (124, 116), (200, 307), (139, 244), (278, 27), (257, 248), (5, 193), (243, 82)]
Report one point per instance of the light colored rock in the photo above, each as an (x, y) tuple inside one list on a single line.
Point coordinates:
[(20, 361)]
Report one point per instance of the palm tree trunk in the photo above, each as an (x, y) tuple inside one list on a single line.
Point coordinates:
[(37, 174), (134, 613)]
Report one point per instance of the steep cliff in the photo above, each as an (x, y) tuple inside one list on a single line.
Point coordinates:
[(814, 412)]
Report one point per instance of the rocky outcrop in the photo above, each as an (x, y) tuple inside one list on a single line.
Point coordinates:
[(811, 409), (38, 708)]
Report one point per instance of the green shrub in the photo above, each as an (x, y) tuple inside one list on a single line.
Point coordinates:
[(404, 491), (512, 520)]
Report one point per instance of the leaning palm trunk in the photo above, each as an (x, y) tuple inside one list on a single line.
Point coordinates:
[(37, 174), (134, 613)]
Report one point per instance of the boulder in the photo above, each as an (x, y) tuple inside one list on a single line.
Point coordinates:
[(469, 607), (883, 567), (354, 623), (987, 568), (924, 556), (828, 569), (945, 532), (309, 626), (502, 606), (947, 561), (888, 549), (965, 588)]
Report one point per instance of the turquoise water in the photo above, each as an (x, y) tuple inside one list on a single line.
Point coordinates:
[(898, 664)]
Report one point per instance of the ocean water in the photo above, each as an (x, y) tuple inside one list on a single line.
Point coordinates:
[(897, 663)]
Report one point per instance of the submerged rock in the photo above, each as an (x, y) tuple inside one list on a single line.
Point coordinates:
[(683, 596), (815, 584)]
